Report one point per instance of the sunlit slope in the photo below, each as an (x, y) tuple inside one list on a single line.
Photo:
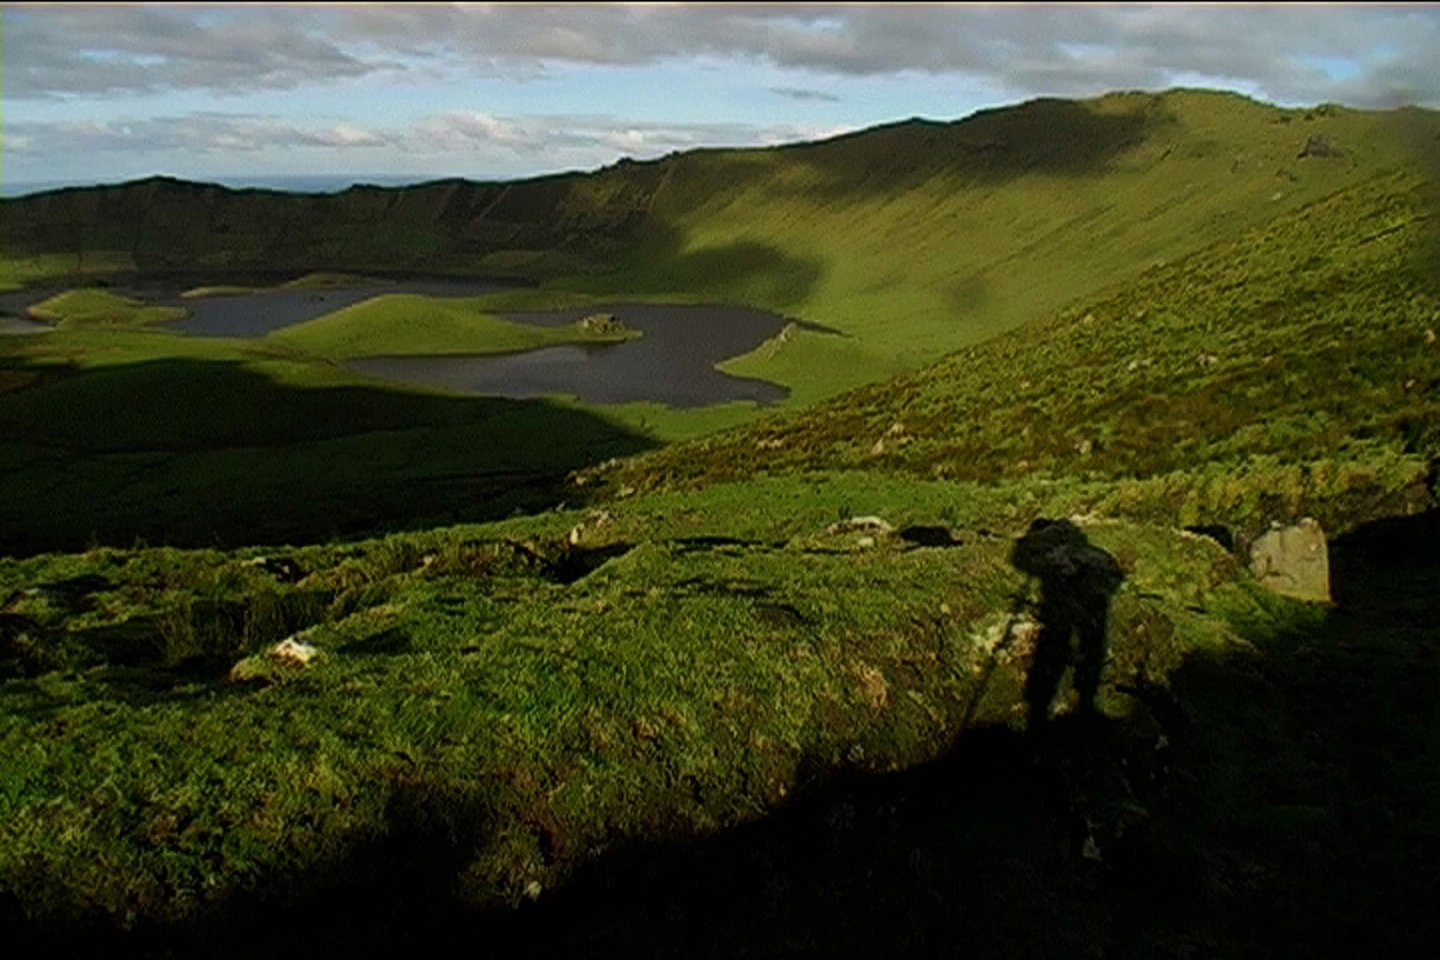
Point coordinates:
[(1314, 336), (913, 239)]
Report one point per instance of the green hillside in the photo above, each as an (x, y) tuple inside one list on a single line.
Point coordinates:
[(1310, 339), (788, 689), (914, 239)]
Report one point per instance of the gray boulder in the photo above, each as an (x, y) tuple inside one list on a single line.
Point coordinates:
[(1293, 561)]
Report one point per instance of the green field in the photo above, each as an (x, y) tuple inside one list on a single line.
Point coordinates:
[(604, 680)]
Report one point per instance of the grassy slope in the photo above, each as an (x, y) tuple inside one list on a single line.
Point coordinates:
[(413, 325), (1311, 338)]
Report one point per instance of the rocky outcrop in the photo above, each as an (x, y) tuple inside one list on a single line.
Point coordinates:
[(601, 325), (1320, 146), (1293, 561)]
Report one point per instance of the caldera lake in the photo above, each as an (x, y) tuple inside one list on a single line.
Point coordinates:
[(673, 361)]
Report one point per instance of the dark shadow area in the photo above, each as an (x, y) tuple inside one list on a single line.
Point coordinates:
[(1046, 136), (200, 453), (1220, 534), (1419, 129), (386, 643), (576, 564), (1280, 800), (1077, 580), (929, 536)]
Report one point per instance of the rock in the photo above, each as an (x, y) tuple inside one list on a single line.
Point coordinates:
[(293, 651), (1293, 561), (854, 524), (271, 666), (865, 542), (1319, 145), (778, 342), (600, 324)]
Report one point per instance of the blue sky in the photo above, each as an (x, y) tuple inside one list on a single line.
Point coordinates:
[(113, 92)]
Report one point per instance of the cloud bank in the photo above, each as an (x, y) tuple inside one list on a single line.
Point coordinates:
[(462, 135), (1363, 55)]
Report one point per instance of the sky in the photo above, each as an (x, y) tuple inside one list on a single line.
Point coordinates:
[(389, 92)]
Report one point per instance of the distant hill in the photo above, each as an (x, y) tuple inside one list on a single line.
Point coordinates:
[(914, 238)]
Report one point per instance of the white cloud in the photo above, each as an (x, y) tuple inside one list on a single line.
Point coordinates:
[(463, 136), (196, 133), (1388, 52)]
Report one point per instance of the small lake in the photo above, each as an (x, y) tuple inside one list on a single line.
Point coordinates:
[(256, 314), (15, 326), (673, 363)]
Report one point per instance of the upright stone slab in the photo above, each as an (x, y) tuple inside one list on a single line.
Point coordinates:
[(1293, 561)]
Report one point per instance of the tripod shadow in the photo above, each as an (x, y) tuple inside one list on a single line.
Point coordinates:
[(1077, 580)]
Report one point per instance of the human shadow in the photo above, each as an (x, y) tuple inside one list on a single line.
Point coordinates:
[(1077, 580)]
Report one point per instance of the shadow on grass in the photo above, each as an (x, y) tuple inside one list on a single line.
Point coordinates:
[(1077, 580), (203, 453), (1044, 136), (1283, 801)]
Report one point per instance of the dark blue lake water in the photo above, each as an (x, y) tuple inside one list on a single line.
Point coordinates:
[(674, 362)]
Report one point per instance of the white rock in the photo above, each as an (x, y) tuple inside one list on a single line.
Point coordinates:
[(874, 524), (294, 651)]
